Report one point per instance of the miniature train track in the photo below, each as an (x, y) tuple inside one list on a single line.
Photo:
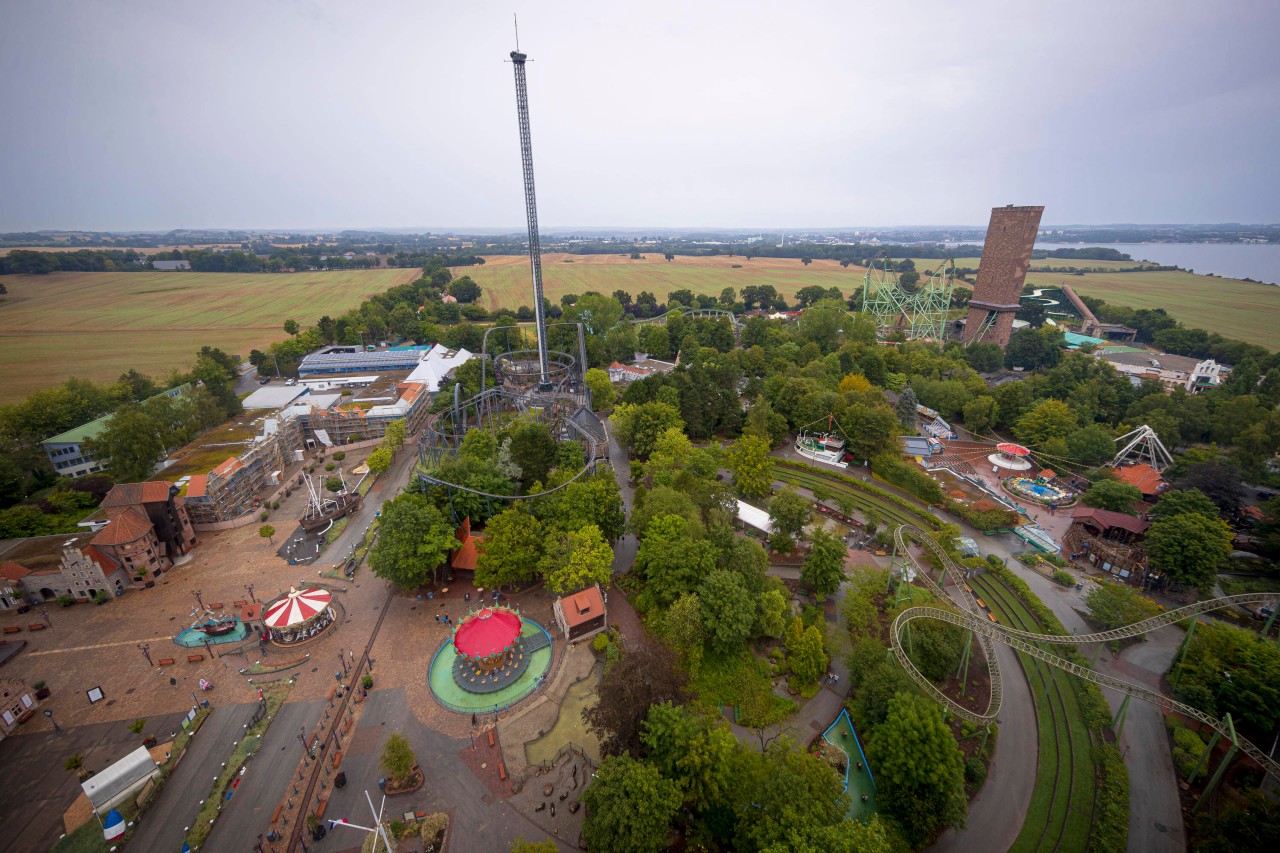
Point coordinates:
[(1025, 641)]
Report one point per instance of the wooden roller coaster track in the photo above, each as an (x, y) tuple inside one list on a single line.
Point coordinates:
[(1026, 642)]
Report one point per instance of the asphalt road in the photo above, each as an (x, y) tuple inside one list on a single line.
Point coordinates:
[(166, 823), (624, 550), (266, 779)]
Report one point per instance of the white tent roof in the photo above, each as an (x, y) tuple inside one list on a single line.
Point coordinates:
[(105, 789), (754, 516), (436, 365), (273, 396)]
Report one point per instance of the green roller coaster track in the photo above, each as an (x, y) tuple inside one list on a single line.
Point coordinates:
[(1025, 641)]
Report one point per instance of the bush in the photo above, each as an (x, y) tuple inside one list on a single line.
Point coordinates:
[(431, 826), (264, 516), (397, 758), (366, 682), (1064, 578), (65, 600), (600, 642), (908, 477), (329, 466), (275, 504), (338, 457), (100, 597), (975, 771), (1110, 832), (1187, 749)]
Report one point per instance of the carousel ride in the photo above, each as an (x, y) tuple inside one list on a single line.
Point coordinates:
[(494, 657), (1010, 457), (298, 616)]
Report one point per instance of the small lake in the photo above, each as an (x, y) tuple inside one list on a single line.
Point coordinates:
[(1258, 261)]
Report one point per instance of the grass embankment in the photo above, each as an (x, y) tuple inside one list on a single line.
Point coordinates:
[(97, 325), (274, 697), (1061, 809), (743, 682), (893, 510)]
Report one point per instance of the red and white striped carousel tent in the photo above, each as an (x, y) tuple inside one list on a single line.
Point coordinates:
[(297, 608)]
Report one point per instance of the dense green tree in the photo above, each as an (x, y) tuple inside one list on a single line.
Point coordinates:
[(788, 513), (661, 500), (985, 357), (464, 289), (681, 627), (630, 806), (919, 769), (534, 450), (1091, 445), (130, 445), (1048, 420), (1112, 495), (379, 460), (905, 408), (728, 611), (576, 559), (771, 613), (1178, 501), (808, 658), (1219, 481), (414, 539), (780, 793), (512, 550), (1251, 693), (639, 426), (602, 393), (291, 328), (980, 414), (1188, 547), (593, 499), (823, 567), (694, 752), (671, 561), (646, 675), (1115, 605), (936, 648), (752, 467)]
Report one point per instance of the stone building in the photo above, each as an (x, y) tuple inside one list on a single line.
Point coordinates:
[(1006, 254), (18, 703), (147, 528), (44, 568)]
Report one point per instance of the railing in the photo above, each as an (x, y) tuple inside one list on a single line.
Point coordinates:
[(1024, 641)]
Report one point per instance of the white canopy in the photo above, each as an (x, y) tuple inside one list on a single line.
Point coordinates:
[(755, 517), (114, 784)]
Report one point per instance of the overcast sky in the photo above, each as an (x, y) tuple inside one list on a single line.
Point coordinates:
[(136, 114)]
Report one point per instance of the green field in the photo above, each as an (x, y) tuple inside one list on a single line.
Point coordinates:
[(1238, 309), (505, 279), (98, 325)]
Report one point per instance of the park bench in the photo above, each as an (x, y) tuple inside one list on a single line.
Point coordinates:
[(165, 662), (240, 603), (324, 804), (275, 815), (346, 727), (36, 626), (194, 658), (337, 758), (490, 737), (12, 629), (333, 691), (502, 770), (216, 605)]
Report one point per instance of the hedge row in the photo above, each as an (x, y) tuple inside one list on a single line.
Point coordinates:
[(881, 494), (1110, 830), (906, 476)]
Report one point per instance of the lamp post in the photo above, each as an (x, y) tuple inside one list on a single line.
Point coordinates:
[(249, 589), (57, 729), (199, 602), (146, 653)]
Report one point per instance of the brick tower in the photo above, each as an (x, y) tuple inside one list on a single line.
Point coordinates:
[(1010, 237)]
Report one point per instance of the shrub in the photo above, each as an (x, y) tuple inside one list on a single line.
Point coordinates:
[(100, 597), (1062, 577), (366, 682), (1187, 749), (1110, 830), (338, 457), (600, 642), (975, 771), (431, 826), (329, 466), (397, 757), (907, 477), (65, 600)]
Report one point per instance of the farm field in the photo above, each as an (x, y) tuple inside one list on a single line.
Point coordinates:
[(505, 278), (97, 325)]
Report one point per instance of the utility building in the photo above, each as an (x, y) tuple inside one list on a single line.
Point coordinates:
[(1006, 253)]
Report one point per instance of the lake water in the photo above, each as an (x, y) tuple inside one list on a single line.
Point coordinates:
[(1258, 261)]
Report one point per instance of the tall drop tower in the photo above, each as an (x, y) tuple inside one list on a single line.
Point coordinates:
[(531, 213), (1006, 254)]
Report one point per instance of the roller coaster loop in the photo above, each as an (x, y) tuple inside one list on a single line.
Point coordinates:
[(1026, 642)]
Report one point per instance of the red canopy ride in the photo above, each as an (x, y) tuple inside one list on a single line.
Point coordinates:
[(486, 633), (1013, 449), (297, 607)]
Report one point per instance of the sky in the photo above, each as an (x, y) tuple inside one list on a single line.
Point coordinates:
[(161, 114)]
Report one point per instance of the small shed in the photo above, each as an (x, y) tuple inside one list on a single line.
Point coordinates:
[(117, 783), (581, 615), (753, 516)]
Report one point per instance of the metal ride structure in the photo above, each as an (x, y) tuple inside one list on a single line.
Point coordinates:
[(531, 209), (1142, 445), (696, 314), (922, 314), (1026, 642), (520, 392)]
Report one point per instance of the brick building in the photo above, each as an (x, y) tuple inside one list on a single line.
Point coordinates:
[(148, 527), (1006, 253)]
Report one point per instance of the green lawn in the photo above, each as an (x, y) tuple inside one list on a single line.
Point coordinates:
[(891, 514)]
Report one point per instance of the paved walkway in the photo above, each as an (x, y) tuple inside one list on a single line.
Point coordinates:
[(165, 825)]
